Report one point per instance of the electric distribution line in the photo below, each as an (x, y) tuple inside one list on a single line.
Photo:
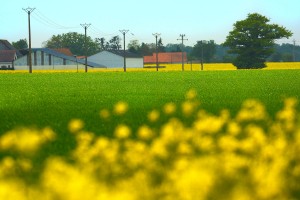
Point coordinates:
[(97, 31), (124, 33), (29, 11), (40, 17), (85, 26), (156, 35), (182, 39)]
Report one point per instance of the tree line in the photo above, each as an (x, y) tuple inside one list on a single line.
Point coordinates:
[(208, 51), (249, 45)]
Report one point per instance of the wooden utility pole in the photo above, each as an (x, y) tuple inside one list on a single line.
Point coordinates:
[(156, 49), (124, 54), (29, 11), (85, 26), (294, 46), (182, 39)]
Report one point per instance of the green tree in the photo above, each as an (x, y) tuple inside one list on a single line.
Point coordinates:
[(204, 50), (253, 40), (160, 46), (74, 41), (102, 44), (115, 43), (133, 46), (172, 48), (21, 44)]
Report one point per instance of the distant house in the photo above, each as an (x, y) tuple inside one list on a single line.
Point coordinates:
[(8, 54), (7, 58), (168, 57), (115, 59)]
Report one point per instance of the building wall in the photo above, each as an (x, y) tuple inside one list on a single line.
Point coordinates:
[(134, 62), (51, 67), (6, 65), (42, 60), (111, 60), (107, 59)]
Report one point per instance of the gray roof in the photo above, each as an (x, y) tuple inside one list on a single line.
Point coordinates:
[(7, 55), (128, 54), (61, 55), (5, 45)]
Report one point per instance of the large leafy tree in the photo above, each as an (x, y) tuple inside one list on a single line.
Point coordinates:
[(253, 39), (75, 42)]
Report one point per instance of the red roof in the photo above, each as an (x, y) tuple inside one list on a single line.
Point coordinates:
[(7, 55), (65, 51), (170, 57)]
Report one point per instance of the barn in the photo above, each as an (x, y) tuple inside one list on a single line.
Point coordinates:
[(115, 59), (47, 59)]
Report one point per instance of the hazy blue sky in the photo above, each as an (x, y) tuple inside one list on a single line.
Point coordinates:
[(197, 19)]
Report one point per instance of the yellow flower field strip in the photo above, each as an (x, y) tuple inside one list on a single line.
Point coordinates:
[(168, 67)]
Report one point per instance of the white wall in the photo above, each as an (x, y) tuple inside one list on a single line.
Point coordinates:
[(51, 67), (107, 59), (134, 62), (111, 60)]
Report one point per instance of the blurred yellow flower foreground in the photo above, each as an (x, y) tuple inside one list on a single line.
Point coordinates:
[(248, 156)]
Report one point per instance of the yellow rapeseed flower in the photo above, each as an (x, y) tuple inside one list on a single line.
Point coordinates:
[(191, 94), (75, 125), (122, 131), (153, 116), (169, 108), (252, 110), (25, 140), (120, 108), (145, 132), (188, 107)]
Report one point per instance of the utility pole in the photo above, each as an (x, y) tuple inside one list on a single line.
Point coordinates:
[(182, 39), (294, 46), (85, 26), (156, 49), (124, 54), (29, 11)]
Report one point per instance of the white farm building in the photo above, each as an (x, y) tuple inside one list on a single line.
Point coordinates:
[(115, 59)]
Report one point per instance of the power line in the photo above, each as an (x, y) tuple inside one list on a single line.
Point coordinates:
[(40, 17), (124, 33), (85, 26), (29, 11), (182, 39), (98, 31)]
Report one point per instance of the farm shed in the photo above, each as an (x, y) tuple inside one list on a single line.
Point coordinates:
[(168, 57), (44, 58), (115, 59)]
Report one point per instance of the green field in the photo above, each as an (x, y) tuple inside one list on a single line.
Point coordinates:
[(53, 99), (40, 100), (126, 155)]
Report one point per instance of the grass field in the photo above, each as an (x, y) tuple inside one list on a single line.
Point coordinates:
[(148, 135), (53, 99)]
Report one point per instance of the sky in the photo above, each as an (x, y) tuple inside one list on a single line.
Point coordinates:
[(196, 19)]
